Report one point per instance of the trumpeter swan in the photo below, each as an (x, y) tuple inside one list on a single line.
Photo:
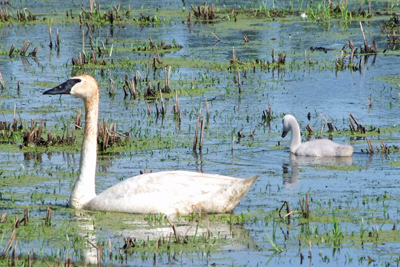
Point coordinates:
[(168, 192), (315, 148)]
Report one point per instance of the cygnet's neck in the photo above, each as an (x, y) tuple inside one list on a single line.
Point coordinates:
[(295, 140), (84, 188)]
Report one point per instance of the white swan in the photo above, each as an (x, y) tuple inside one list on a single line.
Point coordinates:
[(315, 148), (169, 192)]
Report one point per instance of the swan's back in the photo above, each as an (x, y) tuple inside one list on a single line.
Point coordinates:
[(173, 192), (323, 148)]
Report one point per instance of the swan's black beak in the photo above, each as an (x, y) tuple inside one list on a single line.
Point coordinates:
[(64, 88), (284, 134)]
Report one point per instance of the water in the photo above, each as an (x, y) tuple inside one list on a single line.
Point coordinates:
[(365, 187)]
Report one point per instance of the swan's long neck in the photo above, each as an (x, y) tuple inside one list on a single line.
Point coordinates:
[(295, 140), (84, 188)]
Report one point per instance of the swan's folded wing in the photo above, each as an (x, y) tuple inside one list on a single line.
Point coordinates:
[(173, 192)]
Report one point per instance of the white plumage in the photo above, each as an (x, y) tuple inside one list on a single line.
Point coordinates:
[(169, 192), (315, 148)]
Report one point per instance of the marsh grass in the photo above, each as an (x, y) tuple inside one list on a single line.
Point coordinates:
[(71, 237)]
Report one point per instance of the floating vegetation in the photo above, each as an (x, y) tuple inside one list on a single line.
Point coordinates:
[(161, 47), (109, 136), (34, 135), (147, 19), (392, 29), (23, 15), (267, 114), (383, 148), (340, 10), (87, 58), (204, 12), (23, 50), (96, 15)]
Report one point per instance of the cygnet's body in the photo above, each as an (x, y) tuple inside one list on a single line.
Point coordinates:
[(315, 148), (169, 192)]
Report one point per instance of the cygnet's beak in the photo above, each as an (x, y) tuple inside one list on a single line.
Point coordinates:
[(64, 88), (284, 134)]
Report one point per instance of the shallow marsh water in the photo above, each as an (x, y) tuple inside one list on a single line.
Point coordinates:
[(362, 192)]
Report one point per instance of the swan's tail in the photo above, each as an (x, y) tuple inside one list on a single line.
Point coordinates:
[(228, 197), (345, 151)]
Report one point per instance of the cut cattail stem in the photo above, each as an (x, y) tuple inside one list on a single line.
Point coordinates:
[(309, 129), (207, 110), (215, 36), (201, 134), (240, 88), (196, 131)]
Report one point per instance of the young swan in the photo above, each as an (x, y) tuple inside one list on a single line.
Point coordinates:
[(169, 192), (315, 148)]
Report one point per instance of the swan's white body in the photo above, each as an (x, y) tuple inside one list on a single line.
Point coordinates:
[(170, 192), (315, 148)]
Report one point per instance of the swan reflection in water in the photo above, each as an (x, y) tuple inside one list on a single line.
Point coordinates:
[(290, 180), (213, 228)]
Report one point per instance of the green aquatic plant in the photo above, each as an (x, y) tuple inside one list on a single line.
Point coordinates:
[(274, 246)]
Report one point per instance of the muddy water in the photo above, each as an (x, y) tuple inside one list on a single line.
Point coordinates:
[(365, 186)]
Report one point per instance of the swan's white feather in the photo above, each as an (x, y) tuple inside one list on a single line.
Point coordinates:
[(173, 192), (315, 148), (170, 192)]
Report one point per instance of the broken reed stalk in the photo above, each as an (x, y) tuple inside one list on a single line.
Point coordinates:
[(305, 56), (3, 217), (359, 126), (273, 56), (111, 91), (330, 127), (48, 217), (196, 131), (215, 36), (285, 203), (234, 55), (147, 72), (174, 229), (50, 33), (13, 253), (148, 109), (207, 110), (11, 50), (309, 129), (83, 40), (34, 51), (371, 148), (26, 216), (239, 85), (25, 47), (163, 111), (176, 105), (58, 41), (99, 251), (305, 211), (10, 242), (307, 207), (362, 31), (2, 81), (201, 134), (233, 142)]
